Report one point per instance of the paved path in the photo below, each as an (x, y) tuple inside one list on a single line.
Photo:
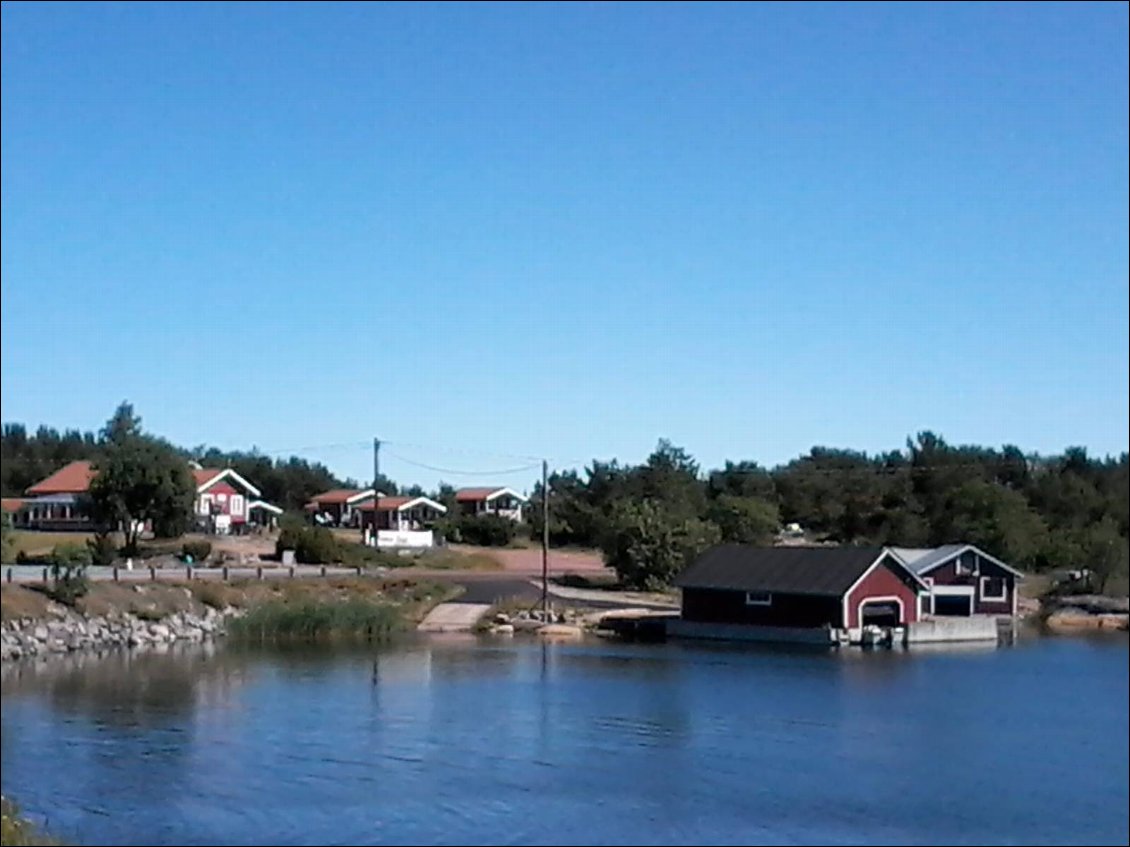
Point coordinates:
[(453, 617)]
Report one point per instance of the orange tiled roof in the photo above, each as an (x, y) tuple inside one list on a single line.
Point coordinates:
[(70, 479), (464, 495), (10, 504), (202, 475), (336, 495)]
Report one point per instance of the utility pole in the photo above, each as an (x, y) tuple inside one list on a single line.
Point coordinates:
[(545, 540), (376, 489)]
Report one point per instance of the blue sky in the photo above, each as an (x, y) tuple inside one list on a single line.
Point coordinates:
[(567, 230)]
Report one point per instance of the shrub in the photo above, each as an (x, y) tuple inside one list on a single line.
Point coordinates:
[(69, 562), (487, 530), (70, 554), (312, 545), (102, 549), (199, 550)]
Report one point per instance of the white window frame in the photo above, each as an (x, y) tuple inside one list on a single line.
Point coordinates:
[(236, 504), (994, 598), (765, 598), (205, 504)]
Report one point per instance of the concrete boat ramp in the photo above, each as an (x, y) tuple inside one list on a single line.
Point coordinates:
[(453, 617)]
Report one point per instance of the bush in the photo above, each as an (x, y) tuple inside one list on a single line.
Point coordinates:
[(70, 554), (102, 549), (487, 530), (312, 545), (69, 562), (198, 550)]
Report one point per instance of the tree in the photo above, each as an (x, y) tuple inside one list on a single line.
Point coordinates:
[(1105, 553), (648, 545), (994, 518), (744, 520), (140, 480)]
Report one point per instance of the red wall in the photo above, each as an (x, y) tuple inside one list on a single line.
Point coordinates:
[(225, 507), (882, 582), (947, 575)]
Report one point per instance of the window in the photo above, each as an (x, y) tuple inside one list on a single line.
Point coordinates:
[(926, 604), (994, 588), (758, 598), (237, 504), (205, 504)]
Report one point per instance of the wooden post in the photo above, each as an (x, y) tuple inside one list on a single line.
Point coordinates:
[(115, 573), (188, 572), (9, 576), (545, 540), (291, 569), (259, 572), (152, 573), (224, 572), (45, 576), (323, 570), (358, 570)]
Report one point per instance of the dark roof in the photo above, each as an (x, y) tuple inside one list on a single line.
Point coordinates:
[(827, 571)]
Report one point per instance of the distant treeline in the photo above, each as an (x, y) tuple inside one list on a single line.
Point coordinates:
[(1038, 512)]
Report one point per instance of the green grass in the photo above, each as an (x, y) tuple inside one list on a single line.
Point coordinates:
[(17, 830), (32, 543), (310, 620)]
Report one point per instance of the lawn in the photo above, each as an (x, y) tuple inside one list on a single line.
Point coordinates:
[(33, 543)]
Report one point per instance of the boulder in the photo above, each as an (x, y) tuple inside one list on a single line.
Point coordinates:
[(561, 632)]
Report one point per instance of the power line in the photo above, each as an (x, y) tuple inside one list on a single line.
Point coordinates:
[(455, 472), (465, 451)]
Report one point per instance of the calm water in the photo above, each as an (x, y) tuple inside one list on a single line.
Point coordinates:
[(469, 741)]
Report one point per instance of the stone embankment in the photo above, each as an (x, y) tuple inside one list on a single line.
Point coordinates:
[(63, 630)]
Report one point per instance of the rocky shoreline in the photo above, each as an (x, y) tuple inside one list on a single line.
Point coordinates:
[(1086, 612), (64, 630)]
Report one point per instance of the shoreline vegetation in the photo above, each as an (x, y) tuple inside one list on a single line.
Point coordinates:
[(105, 614), (18, 831)]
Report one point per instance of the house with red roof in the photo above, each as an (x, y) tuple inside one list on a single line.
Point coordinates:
[(401, 514), (59, 501), (338, 506), (224, 502), (504, 502)]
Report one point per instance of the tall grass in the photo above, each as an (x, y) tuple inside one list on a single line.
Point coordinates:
[(17, 830), (308, 620)]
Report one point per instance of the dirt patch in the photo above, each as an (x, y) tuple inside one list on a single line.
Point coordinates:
[(17, 602), (528, 561)]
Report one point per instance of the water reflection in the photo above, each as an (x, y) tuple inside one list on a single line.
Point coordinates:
[(462, 740)]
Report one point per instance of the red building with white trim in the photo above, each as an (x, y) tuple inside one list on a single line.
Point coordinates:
[(814, 594)]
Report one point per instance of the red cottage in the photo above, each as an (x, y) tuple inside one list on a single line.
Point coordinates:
[(814, 594), (963, 580)]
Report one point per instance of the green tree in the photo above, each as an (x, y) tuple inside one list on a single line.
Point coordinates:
[(1106, 553), (139, 480), (648, 544), (996, 519), (744, 520)]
